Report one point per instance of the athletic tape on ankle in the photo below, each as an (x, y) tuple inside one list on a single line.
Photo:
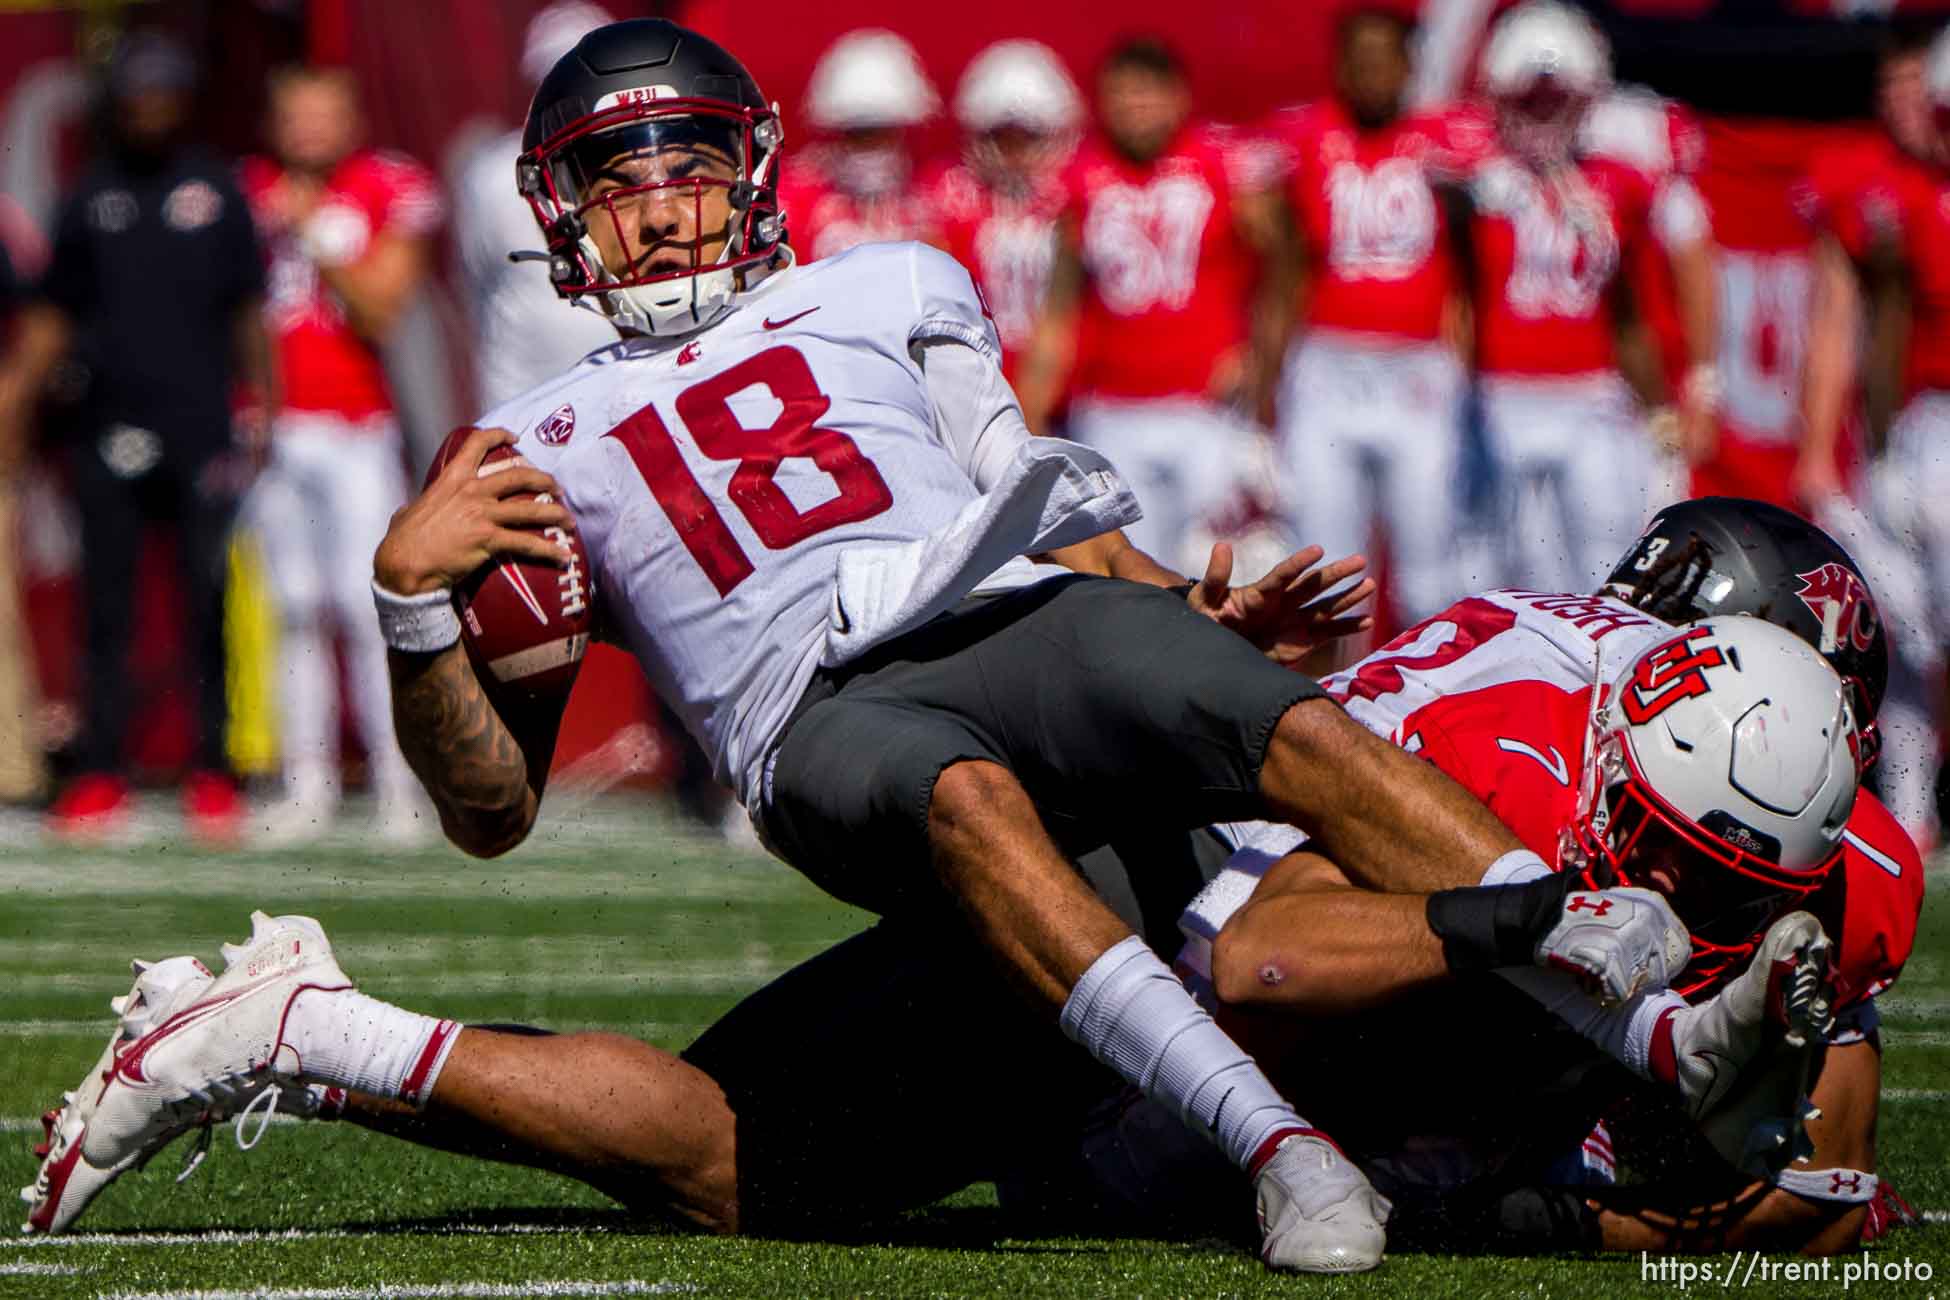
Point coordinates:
[(1515, 867), (423, 624)]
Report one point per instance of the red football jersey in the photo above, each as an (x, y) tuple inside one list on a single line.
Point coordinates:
[(1548, 250), (1376, 238), (1496, 692), (1885, 195), (1006, 241), (823, 220), (1167, 273), (324, 364)]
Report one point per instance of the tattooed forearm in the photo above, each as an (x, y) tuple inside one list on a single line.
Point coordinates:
[(464, 754)]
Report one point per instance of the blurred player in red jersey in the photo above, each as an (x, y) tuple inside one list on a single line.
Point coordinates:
[(997, 206), (858, 186), (1883, 275), (1168, 302), (1550, 233), (347, 229), (1370, 402), (1666, 143)]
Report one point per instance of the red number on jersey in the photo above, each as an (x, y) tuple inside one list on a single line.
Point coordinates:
[(1674, 672), (1474, 621), (707, 413)]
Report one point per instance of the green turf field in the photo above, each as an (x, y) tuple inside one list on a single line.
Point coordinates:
[(609, 918)]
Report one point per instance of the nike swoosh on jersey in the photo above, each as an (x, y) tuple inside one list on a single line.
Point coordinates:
[(771, 324), (1555, 765)]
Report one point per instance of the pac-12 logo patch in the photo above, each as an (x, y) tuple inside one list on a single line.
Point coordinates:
[(557, 428)]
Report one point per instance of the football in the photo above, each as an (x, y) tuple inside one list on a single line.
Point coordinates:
[(525, 625)]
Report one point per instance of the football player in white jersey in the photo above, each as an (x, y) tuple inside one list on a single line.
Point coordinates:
[(909, 635)]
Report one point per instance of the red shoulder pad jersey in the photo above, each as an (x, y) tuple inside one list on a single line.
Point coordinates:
[(1005, 240), (1375, 237), (823, 220), (1548, 250), (1496, 692), (1883, 195), (1167, 273), (324, 364)]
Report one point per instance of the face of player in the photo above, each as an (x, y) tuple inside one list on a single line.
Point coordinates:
[(1013, 156), (1903, 104), (1374, 69), (1141, 110), (873, 160), (150, 120), (647, 221), (314, 123), (1540, 126)]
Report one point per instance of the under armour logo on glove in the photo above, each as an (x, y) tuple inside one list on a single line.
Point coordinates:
[(1617, 942)]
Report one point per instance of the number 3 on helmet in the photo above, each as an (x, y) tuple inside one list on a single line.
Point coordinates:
[(1721, 773)]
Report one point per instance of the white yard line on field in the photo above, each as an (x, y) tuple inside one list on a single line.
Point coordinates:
[(674, 977), (435, 1291), (1916, 1094), (223, 1237), (27, 1268), (97, 1029)]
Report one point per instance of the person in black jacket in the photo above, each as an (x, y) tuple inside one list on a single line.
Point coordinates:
[(154, 292)]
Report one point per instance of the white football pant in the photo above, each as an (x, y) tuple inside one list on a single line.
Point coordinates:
[(1370, 432), (320, 508), (1575, 466), (1184, 458)]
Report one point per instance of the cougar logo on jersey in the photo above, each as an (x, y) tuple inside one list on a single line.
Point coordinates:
[(1383, 220), (1675, 671), (1142, 242), (558, 426), (1842, 603)]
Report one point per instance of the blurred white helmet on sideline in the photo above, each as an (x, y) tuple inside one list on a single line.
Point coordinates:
[(554, 32), (869, 78), (1018, 83)]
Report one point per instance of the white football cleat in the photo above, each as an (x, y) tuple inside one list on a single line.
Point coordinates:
[(1317, 1212), (66, 1182), (1617, 942), (1784, 988), (214, 1055)]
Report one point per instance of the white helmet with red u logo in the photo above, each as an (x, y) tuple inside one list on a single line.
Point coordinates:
[(1721, 773)]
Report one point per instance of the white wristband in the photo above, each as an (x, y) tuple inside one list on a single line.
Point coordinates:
[(1515, 867), (1849, 1186), (420, 624)]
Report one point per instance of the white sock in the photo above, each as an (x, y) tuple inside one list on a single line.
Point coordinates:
[(364, 1045), (1514, 868), (1625, 1032), (1132, 1014)]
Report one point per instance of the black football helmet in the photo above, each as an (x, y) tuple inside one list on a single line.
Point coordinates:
[(1729, 555), (647, 88)]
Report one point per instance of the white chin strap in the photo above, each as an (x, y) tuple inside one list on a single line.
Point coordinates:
[(670, 309)]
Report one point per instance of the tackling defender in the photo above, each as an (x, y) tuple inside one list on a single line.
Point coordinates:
[(811, 508), (1472, 690)]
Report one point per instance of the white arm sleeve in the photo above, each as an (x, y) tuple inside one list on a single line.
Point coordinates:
[(975, 412), (1679, 214)]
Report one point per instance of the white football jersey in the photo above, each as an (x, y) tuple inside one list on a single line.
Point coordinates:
[(772, 493)]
